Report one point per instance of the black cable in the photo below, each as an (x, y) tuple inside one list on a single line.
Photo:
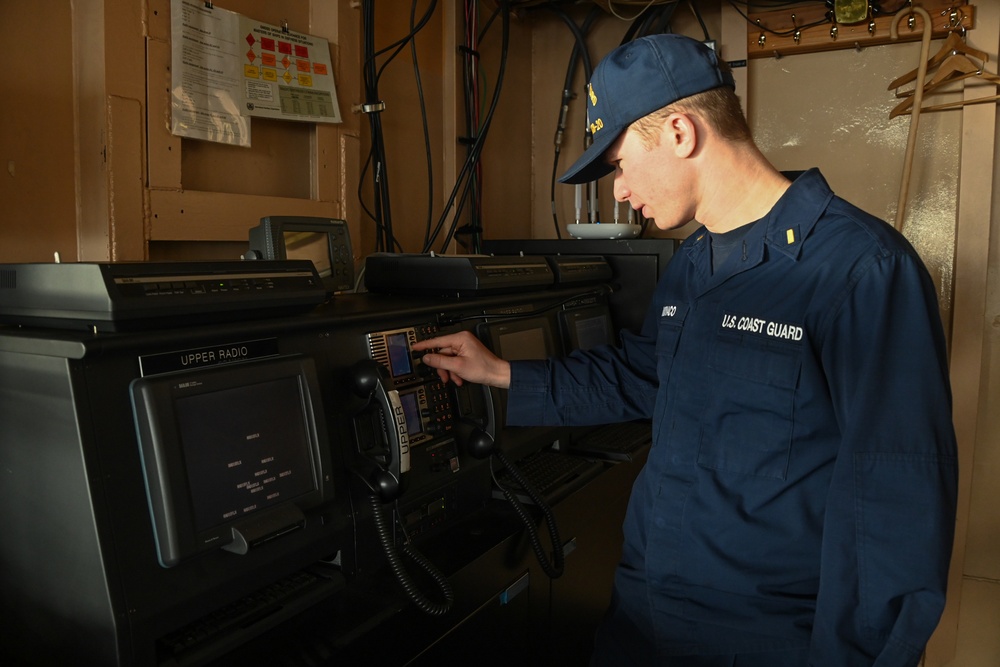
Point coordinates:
[(401, 43), (410, 587), (463, 182), (377, 159), (423, 119), (777, 33), (580, 53), (633, 29), (664, 16), (376, 156), (471, 79), (701, 21), (469, 187), (778, 4), (555, 568), (476, 216), (643, 22), (472, 163), (601, 290)]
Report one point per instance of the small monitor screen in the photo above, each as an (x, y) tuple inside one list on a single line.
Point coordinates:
[(587, 327), (399, 354), (323, 241), (527, 344), (310, 245), (223, 447), (411, 411), (519, 339), (592, 331), (244, 449)]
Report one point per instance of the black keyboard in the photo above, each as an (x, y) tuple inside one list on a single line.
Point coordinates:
[(614, 442), (222, 630), (553, 474)]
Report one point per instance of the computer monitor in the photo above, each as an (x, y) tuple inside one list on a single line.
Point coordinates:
[(232, 455), (520, 339), (324, 241), (586, 327)]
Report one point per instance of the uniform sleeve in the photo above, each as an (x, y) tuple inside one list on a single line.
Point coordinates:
[(889, 522), (602, 385)]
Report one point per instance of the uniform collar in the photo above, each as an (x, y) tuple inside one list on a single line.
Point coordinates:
[(793, 217), (784, 229)]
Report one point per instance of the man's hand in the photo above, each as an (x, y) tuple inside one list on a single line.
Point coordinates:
[(461, 357)]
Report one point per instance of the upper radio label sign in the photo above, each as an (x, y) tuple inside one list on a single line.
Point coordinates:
[(212, 355)]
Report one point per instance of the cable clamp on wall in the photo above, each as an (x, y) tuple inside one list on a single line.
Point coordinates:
[(374, 107)]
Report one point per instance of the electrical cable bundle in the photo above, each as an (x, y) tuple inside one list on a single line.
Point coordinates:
[(373, 106), (653, 17), (580, 53), (470, 51), (465, 179)]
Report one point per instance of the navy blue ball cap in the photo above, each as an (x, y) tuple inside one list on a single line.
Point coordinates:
[(636, 79)]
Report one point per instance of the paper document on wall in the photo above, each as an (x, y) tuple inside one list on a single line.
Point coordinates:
[(286, 74), (227, 68), (206, 77)]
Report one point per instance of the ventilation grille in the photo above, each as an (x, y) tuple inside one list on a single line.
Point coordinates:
[(8, 279)]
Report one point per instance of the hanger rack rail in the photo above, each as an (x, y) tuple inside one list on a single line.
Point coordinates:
[(772, 34)]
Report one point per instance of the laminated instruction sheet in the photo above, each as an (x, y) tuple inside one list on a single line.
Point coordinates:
[(227, 68)]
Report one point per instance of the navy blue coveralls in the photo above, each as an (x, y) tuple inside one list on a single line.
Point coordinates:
[(800, 491)]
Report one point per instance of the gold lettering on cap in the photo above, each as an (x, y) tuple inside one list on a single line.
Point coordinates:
[(591, 95), (596, 125)]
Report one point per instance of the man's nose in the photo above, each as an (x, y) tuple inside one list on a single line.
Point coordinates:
[(620, 190)]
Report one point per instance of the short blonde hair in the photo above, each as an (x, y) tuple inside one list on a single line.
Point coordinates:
[(719, 107)]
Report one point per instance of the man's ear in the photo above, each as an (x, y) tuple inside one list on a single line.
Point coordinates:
[(680, 133)]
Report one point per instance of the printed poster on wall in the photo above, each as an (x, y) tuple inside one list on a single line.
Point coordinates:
[(205, 100), (286, 74), (227, 68)]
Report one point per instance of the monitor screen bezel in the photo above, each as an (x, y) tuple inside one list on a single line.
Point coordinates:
[(168, 488), (492, 332), (569, 320), (268, 239)]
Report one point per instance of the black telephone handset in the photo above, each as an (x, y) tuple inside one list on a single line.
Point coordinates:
[(385, 474), (475, 419), (386, 468)]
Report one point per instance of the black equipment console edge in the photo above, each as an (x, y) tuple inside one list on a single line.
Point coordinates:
[(129, 295)]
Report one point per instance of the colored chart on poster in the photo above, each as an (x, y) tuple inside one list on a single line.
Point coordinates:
[(287, 75)]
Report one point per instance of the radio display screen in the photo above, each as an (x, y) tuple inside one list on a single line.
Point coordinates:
[(399, 355)]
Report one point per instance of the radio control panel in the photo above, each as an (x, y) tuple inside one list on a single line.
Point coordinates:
[(426, 401)]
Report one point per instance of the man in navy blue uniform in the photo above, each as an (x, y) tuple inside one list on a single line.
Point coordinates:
[(797, 505)]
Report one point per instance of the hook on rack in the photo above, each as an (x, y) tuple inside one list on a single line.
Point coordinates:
[(956, 19)]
